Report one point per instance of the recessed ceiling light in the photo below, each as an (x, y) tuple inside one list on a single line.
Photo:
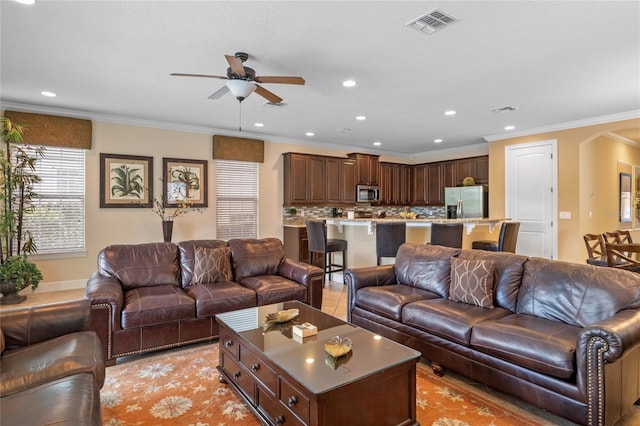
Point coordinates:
[(377, 143), (450, 112), (48, 94), (437, 140), (361, 118), (258, 124), (509, 127), (26, 1), (309, 133), (349, 83)]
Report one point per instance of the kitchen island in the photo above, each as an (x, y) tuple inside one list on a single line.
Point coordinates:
[(360, 234)]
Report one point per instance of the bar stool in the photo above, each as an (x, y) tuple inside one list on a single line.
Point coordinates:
[(507, 239), (447, 234), (319, 243), (389, 237)]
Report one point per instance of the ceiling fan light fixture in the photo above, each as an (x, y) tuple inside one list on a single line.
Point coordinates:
[(240, 89)]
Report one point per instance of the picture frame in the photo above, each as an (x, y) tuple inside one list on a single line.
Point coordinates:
[(184, 181), (625, 197), (126, 181)]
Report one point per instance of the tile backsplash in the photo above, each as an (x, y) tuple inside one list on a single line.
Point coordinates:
[(304, 213)]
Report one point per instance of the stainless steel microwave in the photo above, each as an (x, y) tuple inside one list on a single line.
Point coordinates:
[(367, 194)]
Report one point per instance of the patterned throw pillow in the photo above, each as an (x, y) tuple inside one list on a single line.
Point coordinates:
[(472, 282), (212, 265)]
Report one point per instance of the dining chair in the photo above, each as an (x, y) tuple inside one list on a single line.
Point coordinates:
[(447, 234), (612, 237), (596, 251), (389, 237), (507, 239), (326, 247), (624, 236), (623, 256)]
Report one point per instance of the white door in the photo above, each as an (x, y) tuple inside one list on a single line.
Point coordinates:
[(530, 196)]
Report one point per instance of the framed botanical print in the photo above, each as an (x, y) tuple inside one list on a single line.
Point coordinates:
[(184, 182), (126, 180)]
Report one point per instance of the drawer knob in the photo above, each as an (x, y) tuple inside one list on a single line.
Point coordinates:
[(255, 367), (236, 374), (279, 420), (292, 401), (228, 343)]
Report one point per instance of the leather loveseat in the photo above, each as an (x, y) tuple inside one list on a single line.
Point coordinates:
[(562, 336), (146, 297), (51, 367)]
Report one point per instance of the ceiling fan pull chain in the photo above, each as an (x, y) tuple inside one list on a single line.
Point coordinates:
[(240, 116)]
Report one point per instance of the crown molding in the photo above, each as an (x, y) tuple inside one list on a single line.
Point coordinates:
[(568, 125)]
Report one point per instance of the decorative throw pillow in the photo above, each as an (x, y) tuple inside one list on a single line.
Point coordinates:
[(472, 282), (212, 265)]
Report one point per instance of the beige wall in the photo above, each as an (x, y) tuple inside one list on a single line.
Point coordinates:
[(582, 152), (106, 226), (134, 225)]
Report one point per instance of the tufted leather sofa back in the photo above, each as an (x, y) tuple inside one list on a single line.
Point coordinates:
[(141, 265), (253, 257), (574, 293), (425, 266)]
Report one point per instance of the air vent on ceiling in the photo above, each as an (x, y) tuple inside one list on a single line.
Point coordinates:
[(275, 105), (504, 109), (432, 21)]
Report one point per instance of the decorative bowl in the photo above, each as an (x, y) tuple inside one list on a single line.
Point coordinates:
[(281, 316), (338, 346)]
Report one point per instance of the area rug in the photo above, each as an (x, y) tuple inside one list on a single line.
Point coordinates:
[(181, 387)]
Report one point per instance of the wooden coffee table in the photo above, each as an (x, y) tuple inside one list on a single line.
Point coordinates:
[(287, 380)]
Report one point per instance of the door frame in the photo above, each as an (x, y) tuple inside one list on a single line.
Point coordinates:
[(554, 184)]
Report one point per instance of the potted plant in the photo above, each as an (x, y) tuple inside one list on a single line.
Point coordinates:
[(17, 180)]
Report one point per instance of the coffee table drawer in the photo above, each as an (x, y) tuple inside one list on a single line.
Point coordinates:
[(260, 370), (228, 342), (295, 400), (239, 376), (274, 410)]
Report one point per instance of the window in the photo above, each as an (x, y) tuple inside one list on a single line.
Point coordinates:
[(236, 199), (57, 222)]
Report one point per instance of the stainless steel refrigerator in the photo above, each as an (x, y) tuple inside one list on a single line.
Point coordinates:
[(467, 201)]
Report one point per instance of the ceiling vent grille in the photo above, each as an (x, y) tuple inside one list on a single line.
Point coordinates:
[(432, 21)]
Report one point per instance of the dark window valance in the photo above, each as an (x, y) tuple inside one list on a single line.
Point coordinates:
[(238, 149), (52, 130)]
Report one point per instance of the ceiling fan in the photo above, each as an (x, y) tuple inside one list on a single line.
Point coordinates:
[(242, 81)]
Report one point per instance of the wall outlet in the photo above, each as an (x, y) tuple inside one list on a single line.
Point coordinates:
[(565, 215)]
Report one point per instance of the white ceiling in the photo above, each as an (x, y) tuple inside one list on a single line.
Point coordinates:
[(557, 62)]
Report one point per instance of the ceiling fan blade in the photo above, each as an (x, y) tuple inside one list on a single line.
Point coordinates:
[(270, 96), (179, 74), (279, 79), (235, 64), (219, 93)]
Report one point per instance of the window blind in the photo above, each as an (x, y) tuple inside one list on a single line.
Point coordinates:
[(58, 219), (236, 199)]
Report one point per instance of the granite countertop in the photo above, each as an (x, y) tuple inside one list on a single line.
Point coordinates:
[(300, 222)]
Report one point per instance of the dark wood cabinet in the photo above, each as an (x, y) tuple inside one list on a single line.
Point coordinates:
[(482, 170), (448, 173), (296, 171), (405, 184), (334, 184), (464, 168), (367, 168), (296, 243), (348, 181), (317, 180), (419, 185), (435, 184)]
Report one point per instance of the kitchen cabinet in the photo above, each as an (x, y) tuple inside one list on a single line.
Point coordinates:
[(304, 179), (296, 243), (464, 168), (435, 184), (449, 173), (395, 184), (419, 185), (481, 170), (367, 168), (341, 180)]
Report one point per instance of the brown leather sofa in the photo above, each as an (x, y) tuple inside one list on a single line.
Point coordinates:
[(51, 367), (147, 297), (562, 336)]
